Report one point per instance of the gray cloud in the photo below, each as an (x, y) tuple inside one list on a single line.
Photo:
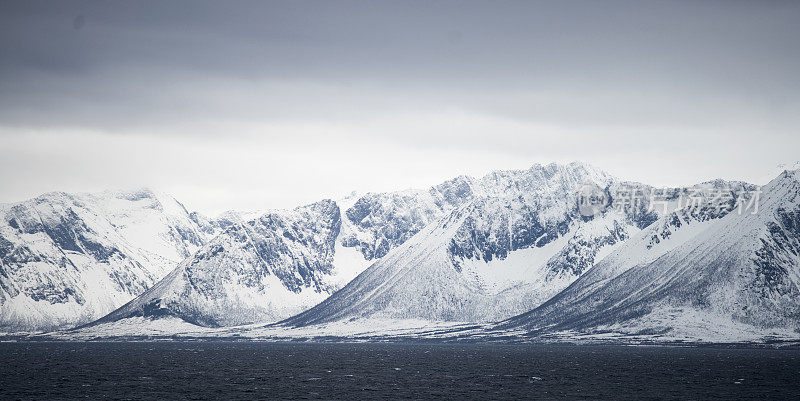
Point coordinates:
[(615, 82)]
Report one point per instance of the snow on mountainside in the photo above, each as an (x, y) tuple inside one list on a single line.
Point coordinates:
[(703, 273), (67, 259), (382, 221), (255, 271), (516, 241), (277, 265), (467, 250), (512, 210)]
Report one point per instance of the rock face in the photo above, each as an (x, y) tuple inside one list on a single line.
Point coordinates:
[(701, 272), (255, 271), (382, 221), (514, 241), (69, 259), (259, 272), (467, 250)]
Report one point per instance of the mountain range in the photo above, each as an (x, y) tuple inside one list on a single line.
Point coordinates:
[(517, 247), (708, 271)]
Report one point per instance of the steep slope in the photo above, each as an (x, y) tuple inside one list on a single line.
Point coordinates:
[(249, 287), (465, 250), (383, 221), (518, 240), (255, 271), (67, 259), (693, 275)]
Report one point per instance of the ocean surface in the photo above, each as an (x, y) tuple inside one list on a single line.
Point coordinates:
[(247, 371)]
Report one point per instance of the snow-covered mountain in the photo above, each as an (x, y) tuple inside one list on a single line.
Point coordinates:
[(271, 267), (724, 272), (514, 242), (255, 271), (382, 221), (67, 259), (285, 262), (636, 259)]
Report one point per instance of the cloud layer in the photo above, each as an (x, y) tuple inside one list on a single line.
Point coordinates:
[(269, 104)]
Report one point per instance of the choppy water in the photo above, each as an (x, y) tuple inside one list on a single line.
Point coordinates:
[(245, 371)]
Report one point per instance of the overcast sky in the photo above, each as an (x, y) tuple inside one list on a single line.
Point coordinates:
[(273, 104)]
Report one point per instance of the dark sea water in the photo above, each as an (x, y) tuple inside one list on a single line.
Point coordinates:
[(246, 371)]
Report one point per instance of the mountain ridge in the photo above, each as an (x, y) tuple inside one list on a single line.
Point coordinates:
[(508, 245), (740, 270), (66, 258)]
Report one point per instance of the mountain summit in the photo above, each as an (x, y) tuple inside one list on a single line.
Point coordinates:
[(693, 276), (67, 259)]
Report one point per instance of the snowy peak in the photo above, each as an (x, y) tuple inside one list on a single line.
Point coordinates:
[(69, 258), (386, 220), (548, 179), (260, 270), (736, 262), (634, 259), (781, 191), (295, 246), (514, 242), (267, 268), (517, 241)]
